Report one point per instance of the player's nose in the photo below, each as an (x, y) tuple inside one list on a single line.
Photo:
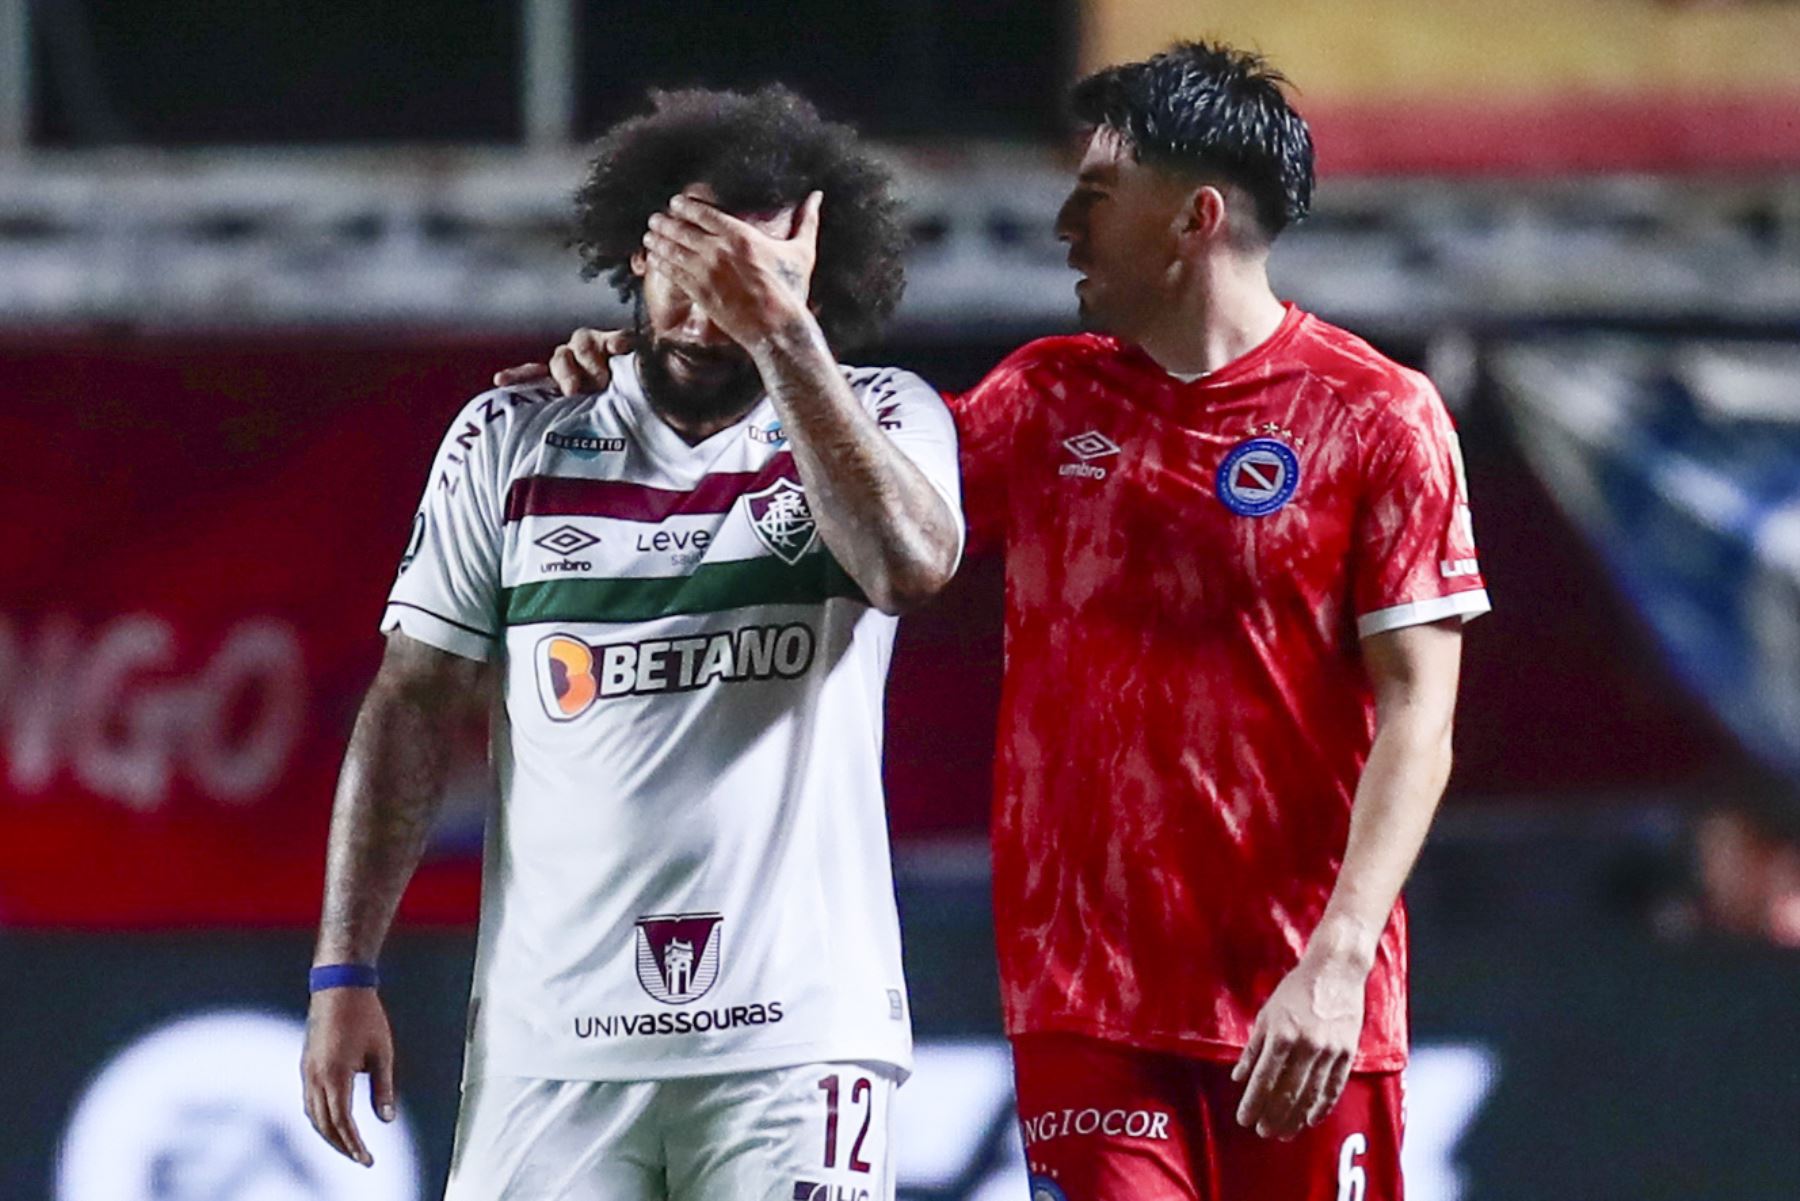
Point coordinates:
[(699, 329), (1065, 221)]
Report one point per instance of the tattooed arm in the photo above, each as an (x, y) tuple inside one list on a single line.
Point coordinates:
[(388, 793), (879, 515), (883, 521)]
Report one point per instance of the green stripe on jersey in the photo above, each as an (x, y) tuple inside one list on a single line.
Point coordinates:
[(709, 588)]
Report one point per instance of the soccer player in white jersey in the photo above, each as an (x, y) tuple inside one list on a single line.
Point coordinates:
[(688, 980)]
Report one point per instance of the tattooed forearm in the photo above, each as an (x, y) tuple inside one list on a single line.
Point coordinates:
[(390, 789), (877, 513)]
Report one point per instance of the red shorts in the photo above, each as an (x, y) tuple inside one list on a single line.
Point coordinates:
[(1106, 1122)]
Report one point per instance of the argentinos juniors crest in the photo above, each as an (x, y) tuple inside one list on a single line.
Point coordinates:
[(678, 955), (1258, 477)]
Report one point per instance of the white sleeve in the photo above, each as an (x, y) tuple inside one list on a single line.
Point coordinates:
[(448, 591), (913, 414)]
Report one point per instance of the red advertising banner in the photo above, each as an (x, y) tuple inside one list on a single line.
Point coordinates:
[(199, 538), (195, 555)]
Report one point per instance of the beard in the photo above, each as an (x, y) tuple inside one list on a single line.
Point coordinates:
[(714, 385)]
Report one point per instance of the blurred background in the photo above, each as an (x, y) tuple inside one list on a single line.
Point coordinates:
[(254, 256)]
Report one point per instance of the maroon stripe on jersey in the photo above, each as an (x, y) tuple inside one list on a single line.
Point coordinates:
[(560, 496)]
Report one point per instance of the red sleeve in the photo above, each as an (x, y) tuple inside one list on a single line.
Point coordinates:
[(987, 419), (1415, 542)]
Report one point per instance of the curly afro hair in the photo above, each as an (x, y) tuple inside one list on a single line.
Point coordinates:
[(758, 151)]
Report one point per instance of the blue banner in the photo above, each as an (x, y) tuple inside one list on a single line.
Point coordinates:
[(1680, 460)]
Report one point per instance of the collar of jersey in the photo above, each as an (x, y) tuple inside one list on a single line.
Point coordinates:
[(1174, 397), (667, 445)]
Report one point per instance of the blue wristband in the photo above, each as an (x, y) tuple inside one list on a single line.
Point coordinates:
[(342, 975)]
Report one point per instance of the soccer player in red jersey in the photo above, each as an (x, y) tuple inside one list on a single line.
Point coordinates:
[(1238, 560)]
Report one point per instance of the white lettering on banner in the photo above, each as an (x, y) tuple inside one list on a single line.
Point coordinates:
[(112, 708)]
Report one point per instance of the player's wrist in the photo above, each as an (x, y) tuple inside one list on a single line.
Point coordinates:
[(788, 331), (324, 977), (1342, 944)]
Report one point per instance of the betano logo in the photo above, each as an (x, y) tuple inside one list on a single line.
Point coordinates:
[(572, 675), (566, 676)]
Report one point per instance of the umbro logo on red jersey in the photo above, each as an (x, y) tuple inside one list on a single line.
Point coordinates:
[(1091, 445), (1088, 447)]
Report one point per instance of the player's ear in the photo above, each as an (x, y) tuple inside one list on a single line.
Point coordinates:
[(1207, 212), (640, 263)]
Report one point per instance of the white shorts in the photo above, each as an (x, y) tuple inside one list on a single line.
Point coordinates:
[(818, 1132)]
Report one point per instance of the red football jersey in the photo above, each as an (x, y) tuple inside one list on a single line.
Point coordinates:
[(1185, 714)]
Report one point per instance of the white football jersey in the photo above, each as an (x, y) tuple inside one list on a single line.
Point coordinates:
[(687, 872)]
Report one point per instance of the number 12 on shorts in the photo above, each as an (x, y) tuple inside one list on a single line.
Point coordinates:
[(862, 1093)]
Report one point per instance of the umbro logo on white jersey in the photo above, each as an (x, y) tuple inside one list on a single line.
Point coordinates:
[(566, 541)]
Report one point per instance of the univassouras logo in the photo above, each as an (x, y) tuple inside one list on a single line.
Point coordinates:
[(572, 675), (686, 1021), (678, 955)]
